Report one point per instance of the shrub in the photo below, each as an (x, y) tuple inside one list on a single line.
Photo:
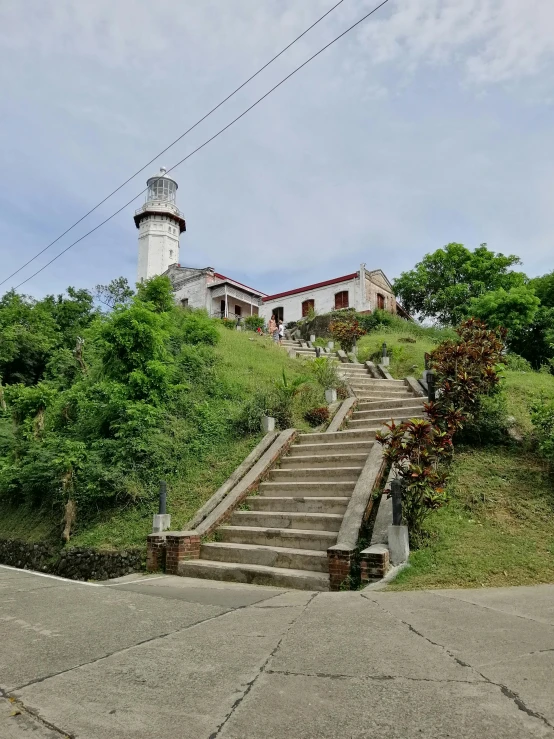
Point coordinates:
[(229, 323), (347, 331), (542, 415), (466, 374), (317, 416), (325, 371), (252, 323), (199, 328), (517, 363)]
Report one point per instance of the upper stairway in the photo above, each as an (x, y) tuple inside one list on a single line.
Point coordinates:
[(280, 535)]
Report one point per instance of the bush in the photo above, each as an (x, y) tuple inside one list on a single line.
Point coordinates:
[(199, 328), (347, 331), (326, 372), (253, 323), (317, 416), (542, 415), (516, 363), (489, 424)]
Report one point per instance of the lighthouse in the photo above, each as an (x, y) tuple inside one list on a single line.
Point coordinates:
[(160, 224)]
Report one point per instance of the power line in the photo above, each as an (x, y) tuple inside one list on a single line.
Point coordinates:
[(222, 130), (198, 122)]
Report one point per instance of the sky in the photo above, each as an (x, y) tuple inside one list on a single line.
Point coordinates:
[(431, 122)]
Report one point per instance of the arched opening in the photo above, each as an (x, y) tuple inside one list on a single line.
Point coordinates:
[(341, 300), (307, 306)]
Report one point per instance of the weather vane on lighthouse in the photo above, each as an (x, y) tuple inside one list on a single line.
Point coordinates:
[(160, 224)]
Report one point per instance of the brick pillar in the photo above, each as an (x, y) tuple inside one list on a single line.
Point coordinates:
[(155, 552), (374, 562), (181, 545), (340, 562)]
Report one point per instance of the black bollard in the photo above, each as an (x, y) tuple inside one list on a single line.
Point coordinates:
[(318, 351), (384, 350), (162, 505), (431, 393), (396, 495)]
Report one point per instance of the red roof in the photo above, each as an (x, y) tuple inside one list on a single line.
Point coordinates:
[(311, 287), (230, 279)]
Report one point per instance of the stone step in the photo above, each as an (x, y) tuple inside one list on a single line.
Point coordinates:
[(364, 397), (375, 424), (279, 577), (302, 489), (306, 504), (288, 520), (369, 405), (381, 384), (383, 391), (295, 538), (384, 412), (316, 461), (256, 554), (329, 447), (335, 436), (319, 474)]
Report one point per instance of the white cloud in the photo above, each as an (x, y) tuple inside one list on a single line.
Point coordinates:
[(424, 126)]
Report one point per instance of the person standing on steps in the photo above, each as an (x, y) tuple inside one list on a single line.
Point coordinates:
[(281, 332), (273, 329)]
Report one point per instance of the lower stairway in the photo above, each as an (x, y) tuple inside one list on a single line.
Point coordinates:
[(280, 535)]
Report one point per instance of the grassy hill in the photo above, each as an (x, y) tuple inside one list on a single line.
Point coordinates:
[(208, 424)]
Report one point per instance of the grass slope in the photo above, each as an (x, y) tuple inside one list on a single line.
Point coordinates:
[(246, 363), (497, 529)]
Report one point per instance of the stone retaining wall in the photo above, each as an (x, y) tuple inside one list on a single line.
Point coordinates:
[(76, 564)]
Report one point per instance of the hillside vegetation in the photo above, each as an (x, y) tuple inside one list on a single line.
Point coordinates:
[(97, 408)]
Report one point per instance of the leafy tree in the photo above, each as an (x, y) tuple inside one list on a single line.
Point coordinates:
[(28, 332), (441, 285), (512, 309), (544, 289), (535, 341), (117, 292)]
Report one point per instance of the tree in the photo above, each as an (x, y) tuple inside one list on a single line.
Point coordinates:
[(441, 285), (544, 289), (512, 309), (535, 341), (117, 292)]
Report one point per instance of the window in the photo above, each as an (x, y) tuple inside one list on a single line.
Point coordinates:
[(341, 300), (238, 310), (380, 301), (307, 306), (185, 302), (171, 253)]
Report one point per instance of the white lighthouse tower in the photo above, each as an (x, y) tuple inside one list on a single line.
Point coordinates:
[(160, 224)]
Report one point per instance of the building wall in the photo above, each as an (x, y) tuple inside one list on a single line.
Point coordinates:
[(376, 284), (194, 291), (324, 300), (158, 245)]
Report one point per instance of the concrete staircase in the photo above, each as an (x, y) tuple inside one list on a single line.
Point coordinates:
[(280, 535)]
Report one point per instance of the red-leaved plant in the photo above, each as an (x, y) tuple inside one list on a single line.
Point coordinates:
[(465, 371)]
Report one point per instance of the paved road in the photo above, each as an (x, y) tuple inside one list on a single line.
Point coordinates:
[(158, 658)]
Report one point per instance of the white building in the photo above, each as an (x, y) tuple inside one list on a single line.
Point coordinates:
[(363, 290), (221, 296), (160, 224)]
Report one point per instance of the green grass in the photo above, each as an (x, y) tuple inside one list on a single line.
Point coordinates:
[(406, 358), (522, 389), (247, 363), (497, 529), (32, 525)]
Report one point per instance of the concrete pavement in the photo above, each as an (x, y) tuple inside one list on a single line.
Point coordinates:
[(171, 657)]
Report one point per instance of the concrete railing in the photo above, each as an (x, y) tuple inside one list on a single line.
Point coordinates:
[(166, 550), (341, 556), (345, 411)]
